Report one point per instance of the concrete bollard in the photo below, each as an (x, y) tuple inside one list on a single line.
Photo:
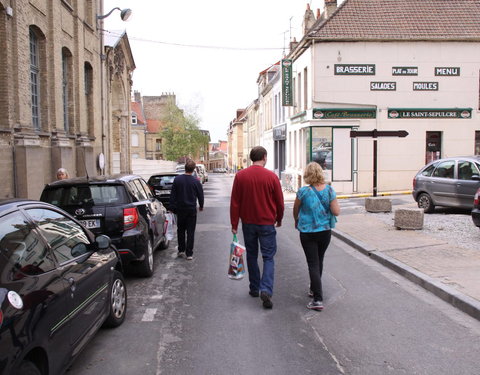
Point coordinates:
[(378, 204), (408, 218)]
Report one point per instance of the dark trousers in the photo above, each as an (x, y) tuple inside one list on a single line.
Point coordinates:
[(314, 245), (186, 223)]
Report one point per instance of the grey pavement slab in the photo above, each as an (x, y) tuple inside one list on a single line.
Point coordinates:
[(450, 272)]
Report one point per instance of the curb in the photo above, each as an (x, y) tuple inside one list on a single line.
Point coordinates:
[(367, 195), (448, 294)]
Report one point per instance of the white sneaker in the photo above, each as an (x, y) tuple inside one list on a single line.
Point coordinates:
[(181, 254), (190, 258)]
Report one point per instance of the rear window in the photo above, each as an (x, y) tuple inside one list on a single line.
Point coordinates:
[(162, 180), (84, 195)]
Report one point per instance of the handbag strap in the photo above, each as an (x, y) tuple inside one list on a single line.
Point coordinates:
[(318, 195)]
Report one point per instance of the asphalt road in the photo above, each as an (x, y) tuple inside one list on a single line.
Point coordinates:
[(189, 318)]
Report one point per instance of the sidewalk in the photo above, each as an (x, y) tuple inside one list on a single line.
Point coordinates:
[(451, 273)]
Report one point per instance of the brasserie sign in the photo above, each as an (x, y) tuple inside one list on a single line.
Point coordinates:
[(287, 90), (446, 113), (355, 69)]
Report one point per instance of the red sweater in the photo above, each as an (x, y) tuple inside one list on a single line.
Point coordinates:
[(257, 197)]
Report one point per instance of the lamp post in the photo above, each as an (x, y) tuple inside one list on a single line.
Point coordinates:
[(124, 15)]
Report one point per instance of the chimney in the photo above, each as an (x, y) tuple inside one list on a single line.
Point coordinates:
[(330, 7), (308, 19), (293, 44), (137, 96)]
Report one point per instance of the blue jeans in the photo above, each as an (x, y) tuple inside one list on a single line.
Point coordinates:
[(254, 234)]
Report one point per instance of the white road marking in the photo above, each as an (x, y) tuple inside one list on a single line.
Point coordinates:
[(149, 315)]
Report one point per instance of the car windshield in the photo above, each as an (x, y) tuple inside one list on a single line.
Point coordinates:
[(84, 195)]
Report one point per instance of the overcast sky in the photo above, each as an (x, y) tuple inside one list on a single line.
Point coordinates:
[(209, 53)]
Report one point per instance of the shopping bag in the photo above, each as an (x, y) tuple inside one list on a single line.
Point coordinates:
[(236, 265), (169, 223)]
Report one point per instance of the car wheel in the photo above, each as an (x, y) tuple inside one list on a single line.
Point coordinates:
[(425, 202), (145, 268), (28, 368), (117, 301)]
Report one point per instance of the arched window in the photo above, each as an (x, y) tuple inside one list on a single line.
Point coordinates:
[(35, 79), (88, 88), (67, 88)]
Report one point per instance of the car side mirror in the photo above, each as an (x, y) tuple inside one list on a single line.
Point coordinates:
[(475, 177), (103, 242)]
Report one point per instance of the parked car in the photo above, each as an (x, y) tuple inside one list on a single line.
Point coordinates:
[(476, 209), (161, 186), (59, 285), (120, 206), (449, 182), (219, 170)]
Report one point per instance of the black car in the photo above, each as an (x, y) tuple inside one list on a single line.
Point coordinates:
[(161, 185), (58, 285), (120, 206), (476, 209)]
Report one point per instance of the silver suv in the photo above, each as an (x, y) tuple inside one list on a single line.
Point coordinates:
[(450, 182)]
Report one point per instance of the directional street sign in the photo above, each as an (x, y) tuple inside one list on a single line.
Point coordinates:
[(378, 133)]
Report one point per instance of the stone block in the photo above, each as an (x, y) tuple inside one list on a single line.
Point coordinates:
[(408, 218), (378, 204)]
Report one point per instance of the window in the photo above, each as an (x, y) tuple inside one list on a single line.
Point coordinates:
[(138, 190), (66, 238), (322, 147), (35, 79), (88, 87), (158, 145), (445, 169), (134, 118), (66, 87), (134, 140), (27, 253), (477, 143), (427, 172), (466, 170), (305, 89)]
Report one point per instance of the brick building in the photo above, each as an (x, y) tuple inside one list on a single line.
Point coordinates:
[(52, 91)]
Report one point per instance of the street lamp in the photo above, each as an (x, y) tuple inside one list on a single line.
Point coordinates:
[(124, 15)]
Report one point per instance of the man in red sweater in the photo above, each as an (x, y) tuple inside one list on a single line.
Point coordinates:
[(257, 200)]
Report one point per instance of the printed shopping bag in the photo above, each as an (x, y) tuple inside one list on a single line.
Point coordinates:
[(169, 223), (236, 265)]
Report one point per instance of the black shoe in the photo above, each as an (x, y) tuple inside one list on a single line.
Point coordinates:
[(254, 293), (267, 300)]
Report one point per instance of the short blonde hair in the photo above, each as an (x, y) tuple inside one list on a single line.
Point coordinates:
[(313, 174)]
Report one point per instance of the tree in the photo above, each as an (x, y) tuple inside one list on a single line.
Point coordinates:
[(180, 133)]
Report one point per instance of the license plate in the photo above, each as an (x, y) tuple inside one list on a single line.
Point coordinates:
[(92, 223), (162, 192)]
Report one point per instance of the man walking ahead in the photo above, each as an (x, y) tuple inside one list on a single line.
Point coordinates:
[(186, 190), (257, 199)]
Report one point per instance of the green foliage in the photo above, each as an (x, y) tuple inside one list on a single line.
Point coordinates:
[(180, 134)]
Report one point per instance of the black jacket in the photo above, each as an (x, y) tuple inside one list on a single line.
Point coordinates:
[(186, 189)]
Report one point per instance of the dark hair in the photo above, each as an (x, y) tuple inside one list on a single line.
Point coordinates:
[(189, 166), (257, 153)]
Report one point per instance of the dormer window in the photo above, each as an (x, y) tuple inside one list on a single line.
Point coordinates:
[(134, 118)]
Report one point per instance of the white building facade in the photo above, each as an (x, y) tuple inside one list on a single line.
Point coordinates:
[(355, 71)]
